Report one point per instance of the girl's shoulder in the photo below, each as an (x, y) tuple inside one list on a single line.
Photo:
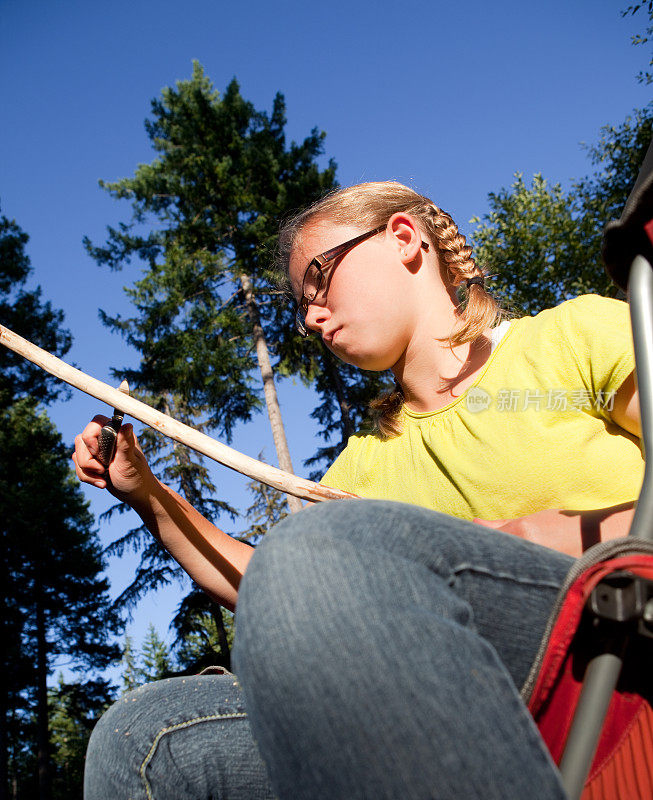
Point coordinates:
[(588, 321), (587, 311)]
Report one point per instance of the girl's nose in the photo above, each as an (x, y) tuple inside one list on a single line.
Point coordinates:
[(317, 316)]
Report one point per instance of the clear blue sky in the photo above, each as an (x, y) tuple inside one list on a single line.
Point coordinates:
[(450, 97)]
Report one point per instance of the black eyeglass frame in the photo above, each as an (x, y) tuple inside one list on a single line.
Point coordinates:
[(320, 264)]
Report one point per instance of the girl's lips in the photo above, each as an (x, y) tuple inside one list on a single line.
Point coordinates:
[(330, 337)]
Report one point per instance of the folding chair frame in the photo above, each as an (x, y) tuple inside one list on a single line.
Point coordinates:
[(604, 670)]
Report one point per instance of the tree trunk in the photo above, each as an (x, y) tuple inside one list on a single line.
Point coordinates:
[(269, 389), (216, 611), (42, 726), (4, 741), (334, 374)]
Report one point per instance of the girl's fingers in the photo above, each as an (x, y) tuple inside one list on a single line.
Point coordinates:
[(126, 439), (88, 475), (128, 466), (85, 457), (91, 432), (490, 523)]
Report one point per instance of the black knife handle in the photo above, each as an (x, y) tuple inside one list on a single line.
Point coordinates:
[(106, 445), (108, 437)]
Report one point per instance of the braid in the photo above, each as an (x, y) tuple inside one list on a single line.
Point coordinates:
[(369, 205), (385, 411), (479, 310), (452, 246)]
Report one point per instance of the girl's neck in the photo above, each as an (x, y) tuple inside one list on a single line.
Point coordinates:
[(435, 374)]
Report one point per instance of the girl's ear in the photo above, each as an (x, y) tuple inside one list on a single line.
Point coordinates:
[(406, 235)]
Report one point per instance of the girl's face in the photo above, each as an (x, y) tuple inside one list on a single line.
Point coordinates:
[(364, 311)]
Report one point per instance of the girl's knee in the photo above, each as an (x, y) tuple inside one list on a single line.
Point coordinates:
[(332, 533), (111, 750), (115, 733)]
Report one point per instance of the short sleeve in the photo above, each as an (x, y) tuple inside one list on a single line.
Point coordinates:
[(338, 476), (599, 333)]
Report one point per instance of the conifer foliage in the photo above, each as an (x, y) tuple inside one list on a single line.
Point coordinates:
[(23, 310), (543, 242), (54, 602), (210, 322), (205, 216)]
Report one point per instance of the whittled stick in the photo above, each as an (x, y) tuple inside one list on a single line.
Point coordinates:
[(251, 467)]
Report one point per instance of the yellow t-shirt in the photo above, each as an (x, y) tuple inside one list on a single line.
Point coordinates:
[(534, 431)]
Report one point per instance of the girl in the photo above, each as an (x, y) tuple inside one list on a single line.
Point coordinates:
[(382, 643)]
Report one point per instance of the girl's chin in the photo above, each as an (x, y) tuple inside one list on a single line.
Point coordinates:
[(371, 362), (368, 358)]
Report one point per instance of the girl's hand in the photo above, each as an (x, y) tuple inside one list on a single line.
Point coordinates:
[(569, 532), (128, 477)]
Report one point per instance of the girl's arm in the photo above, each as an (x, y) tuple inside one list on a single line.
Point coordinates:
[(569, 532), (625, 411), (213, 559)]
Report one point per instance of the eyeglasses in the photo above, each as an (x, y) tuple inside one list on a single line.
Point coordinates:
[(316, 270), (315, 273)]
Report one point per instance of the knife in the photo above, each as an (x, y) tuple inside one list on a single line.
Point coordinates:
[(109, 433)]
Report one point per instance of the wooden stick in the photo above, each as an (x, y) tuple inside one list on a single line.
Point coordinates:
[(272, 476)]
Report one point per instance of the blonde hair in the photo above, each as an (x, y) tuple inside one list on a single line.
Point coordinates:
[(369, 205)]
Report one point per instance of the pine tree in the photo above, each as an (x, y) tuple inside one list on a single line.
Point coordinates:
[(545, 243), (222, 178), (130, 669), (23, 311), (205, 633), (205, 216), (268, 507), (55, 601), (156, 662), (74, 710)]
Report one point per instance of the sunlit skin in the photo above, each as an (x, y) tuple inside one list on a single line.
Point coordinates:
[(385, 306)]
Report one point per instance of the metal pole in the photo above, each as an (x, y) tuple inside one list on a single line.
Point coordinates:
[(603, 671), (598, 685), (640, 298)]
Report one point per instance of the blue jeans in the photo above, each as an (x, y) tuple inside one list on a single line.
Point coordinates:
[(176, 739), (380, 646)]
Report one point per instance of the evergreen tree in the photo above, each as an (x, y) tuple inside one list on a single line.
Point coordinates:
[(268, 507), (74, 710), (55, 601), (205, 216), (130, 670), (545, 243), (345, 393), (152, 662), (156, 662), (222, 178), (23, 311), (205, 634)]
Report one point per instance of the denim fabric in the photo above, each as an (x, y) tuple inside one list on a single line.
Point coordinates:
[(182, 738), (380, 646)]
